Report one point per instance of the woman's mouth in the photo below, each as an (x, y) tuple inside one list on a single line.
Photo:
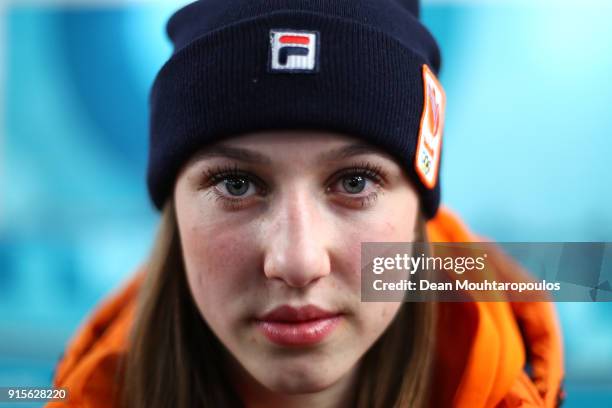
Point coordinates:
[(303, 326)]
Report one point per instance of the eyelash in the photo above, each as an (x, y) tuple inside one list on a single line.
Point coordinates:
[(218, 174), (365, 169)]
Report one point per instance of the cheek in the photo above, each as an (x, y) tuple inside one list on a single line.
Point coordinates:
[(217, 268), (376, 229), (375, 318)]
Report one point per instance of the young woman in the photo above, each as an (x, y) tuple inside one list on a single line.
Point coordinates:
[(283, 135)]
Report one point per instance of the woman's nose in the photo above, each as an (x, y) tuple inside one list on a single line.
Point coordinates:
[(296, 250)]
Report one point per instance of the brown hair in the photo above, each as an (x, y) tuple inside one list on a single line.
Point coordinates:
[(175, 360)]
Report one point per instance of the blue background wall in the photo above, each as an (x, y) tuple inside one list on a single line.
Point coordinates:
[(527, 156)]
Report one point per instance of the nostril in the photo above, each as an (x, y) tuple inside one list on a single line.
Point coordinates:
[(296, 254), (295, 274)]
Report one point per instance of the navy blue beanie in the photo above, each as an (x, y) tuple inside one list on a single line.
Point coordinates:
[(364, 68)]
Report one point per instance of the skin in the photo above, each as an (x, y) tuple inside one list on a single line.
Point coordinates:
[(290, 234)]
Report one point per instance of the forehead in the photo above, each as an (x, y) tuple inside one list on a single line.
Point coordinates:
[(292, 145)]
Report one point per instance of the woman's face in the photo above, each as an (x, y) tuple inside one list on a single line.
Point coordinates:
[(271, 226)]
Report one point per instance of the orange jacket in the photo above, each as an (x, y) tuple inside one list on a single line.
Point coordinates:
[(479, 361)]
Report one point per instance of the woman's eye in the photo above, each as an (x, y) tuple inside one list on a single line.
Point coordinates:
[(236, 187), (354, 184)]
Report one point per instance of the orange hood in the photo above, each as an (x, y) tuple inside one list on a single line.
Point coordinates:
[(479, 361)]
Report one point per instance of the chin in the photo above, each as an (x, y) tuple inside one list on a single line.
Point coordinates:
[(298, 381)]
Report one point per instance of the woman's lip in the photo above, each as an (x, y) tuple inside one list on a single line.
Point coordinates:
[(290, 314), (299, 333)]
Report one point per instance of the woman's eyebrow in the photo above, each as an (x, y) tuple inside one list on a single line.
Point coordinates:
[(247, 155), (237, 153), (349, 151)]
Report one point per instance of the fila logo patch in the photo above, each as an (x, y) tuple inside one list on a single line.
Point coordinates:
[(294, 51), (429, 146)]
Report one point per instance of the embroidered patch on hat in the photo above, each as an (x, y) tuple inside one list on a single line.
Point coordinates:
[(429, 146), (294, 51)]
